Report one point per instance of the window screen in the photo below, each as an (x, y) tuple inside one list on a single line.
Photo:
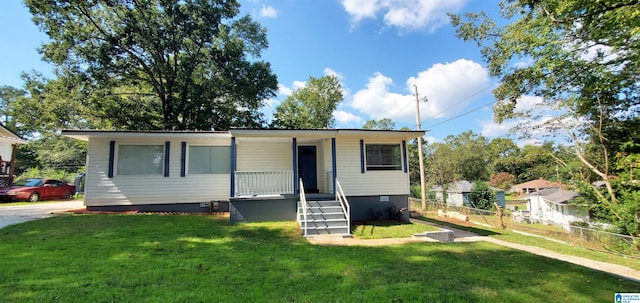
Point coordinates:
[(140, 159), (384, 157), (209, 159)]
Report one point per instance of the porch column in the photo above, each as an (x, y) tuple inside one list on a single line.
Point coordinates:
[(295, 165), (333, 165), (233, 167)]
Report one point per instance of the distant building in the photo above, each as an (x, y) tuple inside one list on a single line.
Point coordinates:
[(534, 186), (553, 206), (457, 193)]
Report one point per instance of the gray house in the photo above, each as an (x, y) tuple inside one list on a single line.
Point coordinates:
[(320, 177), (457, 194)]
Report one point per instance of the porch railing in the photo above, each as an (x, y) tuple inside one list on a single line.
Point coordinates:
[(250, 183), (346, 208), (303, 205)]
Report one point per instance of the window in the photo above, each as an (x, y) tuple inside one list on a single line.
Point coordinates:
[(209, 159), (140, 159), (384, 157)]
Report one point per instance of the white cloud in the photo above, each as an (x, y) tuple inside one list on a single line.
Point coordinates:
[(299, 84), (492, 129), (408, 14), (284, 90), (330, 72), (343, 117), (376, 101), (449, 87), (268, 12)]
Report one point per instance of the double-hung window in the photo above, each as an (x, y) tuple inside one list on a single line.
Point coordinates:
[(384, 157), (140, 159), (209, 159)]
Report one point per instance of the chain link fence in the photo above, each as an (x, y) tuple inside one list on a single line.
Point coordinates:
[(589, 238)]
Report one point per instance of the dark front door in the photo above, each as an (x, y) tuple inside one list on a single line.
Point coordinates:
[(308, 168)]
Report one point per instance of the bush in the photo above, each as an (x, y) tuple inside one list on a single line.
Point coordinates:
[(47, 173)]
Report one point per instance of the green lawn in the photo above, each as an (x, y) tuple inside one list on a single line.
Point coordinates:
[(173, 258), (388, 230)]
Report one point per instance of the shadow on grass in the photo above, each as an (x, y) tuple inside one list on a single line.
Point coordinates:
[(477, 230)]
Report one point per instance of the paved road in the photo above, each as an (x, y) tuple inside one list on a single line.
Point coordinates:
[(10, 215)]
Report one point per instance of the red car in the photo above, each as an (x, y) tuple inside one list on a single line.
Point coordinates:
[(37, 189)]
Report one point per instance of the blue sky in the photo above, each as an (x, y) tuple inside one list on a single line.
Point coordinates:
[(379, 49)]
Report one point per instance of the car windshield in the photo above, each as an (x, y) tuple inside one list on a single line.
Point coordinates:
[(30, 182)]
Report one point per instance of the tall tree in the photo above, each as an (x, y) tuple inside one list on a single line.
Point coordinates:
[(190, 64), (9, 97), (311, 106), (582, 58)]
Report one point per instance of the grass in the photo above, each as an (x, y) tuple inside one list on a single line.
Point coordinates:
[(507, 235), (151, 258), (383, 230)]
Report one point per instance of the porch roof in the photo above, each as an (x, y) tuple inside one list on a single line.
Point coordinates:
[(324, 133)]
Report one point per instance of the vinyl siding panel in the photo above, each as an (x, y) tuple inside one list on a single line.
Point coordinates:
[(150, 189), (264, 156), (371, 183)]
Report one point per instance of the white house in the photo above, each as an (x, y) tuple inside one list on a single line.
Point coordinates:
[(553, 206), (457, 194), (8, 144), (253, 173)]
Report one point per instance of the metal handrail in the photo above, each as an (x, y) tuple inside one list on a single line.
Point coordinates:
[(346, 208), (303, 202)]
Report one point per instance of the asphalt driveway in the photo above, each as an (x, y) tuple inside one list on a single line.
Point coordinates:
[(10, 215)]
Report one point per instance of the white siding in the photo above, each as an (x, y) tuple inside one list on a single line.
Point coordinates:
[(371, 183), (264, 156), (132, 190)]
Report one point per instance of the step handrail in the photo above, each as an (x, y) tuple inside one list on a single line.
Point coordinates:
[(303, 204), (344, 203)]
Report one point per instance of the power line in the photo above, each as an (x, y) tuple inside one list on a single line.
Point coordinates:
[(463, 114), (463, 100)]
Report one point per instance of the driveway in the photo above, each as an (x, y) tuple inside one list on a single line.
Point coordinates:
[(10, 215)]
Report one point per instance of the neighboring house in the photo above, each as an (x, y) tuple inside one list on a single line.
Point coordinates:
[(553, 206), (457, 194), (253, 173), (534, 186), (8, 144)]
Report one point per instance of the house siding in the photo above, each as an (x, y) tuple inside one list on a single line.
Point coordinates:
[(261, 156), (153, 189), (369, 183)]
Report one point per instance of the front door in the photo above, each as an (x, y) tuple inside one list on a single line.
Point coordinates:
[(308, 168)]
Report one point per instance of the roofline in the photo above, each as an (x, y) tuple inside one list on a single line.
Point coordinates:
[(239, 132), (17, 139), (246, 132), (85, 135)]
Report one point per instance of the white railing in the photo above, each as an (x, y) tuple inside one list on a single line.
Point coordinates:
[(251, 183), (346, 208), (303, 205)]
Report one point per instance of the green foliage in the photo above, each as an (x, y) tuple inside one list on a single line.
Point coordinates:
[(482, 196), (52, 152), (47, 173), (581, 58), (310, 107), (382, 124), (502, 180), (152, 64)]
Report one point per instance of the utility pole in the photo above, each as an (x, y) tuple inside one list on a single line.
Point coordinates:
[(423, 191)]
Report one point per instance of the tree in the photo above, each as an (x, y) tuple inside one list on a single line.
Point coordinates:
[(383, 124), (502, 180), (184, 63), (9, 96), (482, 196), (581, 58), (311, 106)]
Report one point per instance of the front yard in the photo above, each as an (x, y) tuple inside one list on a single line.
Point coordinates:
[(173, 258)]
